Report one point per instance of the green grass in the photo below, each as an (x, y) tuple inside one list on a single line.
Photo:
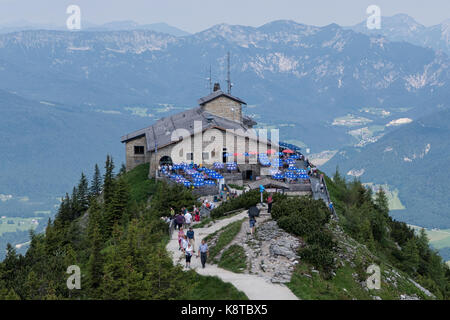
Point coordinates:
[(234, 259), (20, 224), (205, 221), (211, 288), (317, 288), (141, 187), (226, 235), (235, 186)]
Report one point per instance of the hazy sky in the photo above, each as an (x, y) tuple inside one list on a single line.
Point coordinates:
[(197, 15)]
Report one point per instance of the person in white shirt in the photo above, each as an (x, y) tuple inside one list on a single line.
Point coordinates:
[(184, 243), (188, 219), (188, 251)]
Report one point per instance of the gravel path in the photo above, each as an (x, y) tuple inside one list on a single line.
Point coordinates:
[(255, 287)]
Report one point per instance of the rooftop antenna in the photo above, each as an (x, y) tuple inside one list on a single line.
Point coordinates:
[(210, 80), (228, 73)]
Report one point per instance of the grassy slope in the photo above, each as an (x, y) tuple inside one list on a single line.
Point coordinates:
[(234, 259), (345, 285), (224, 237)]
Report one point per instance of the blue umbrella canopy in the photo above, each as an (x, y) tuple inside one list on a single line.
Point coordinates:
[(290, 161), (278, 176), (218, 165), (291, 175)]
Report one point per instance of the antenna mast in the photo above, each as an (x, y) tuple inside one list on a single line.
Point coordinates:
[(210, 80), (228, 73)]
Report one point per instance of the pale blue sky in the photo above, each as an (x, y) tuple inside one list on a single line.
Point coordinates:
[(197, 15)]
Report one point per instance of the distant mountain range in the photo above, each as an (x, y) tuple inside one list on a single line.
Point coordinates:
[(415, 160), (87, 26), (402, 27), (280, 68), (67, 97)]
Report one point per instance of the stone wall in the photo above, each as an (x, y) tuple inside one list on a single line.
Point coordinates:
[(225, 107), (132, 159)]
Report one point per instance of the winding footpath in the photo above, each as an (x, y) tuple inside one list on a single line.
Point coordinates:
[(255, 287)]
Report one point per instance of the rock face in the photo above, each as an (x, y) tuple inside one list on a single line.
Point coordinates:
[(281, 243), (271, 253), (277, 255)]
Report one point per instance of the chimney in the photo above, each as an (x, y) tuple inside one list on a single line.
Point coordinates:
[(216, 87)]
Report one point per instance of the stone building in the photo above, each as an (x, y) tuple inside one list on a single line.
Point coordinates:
[(204, 134)]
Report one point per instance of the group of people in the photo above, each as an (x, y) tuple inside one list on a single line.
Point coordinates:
[(208, 204), (186, 243), (185, 218)]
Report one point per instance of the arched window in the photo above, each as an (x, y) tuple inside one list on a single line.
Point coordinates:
[(165, 160)]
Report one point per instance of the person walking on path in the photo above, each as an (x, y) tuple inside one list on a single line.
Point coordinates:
[(269, 203), (253, 212), (180, 237), (180, 220), (203, 252), (190, 237), (188, 252), (197, 216), (187, 220)]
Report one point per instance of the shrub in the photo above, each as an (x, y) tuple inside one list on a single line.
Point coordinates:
[(321, 258), (244, 201)]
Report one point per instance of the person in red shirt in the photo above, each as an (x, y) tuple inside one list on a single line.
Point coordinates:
[(269, 203)]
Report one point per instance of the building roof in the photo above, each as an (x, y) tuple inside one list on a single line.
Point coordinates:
[(217, 94), (268, 183), (159, 134)]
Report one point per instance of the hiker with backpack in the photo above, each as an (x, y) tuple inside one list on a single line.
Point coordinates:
[(253, 212)]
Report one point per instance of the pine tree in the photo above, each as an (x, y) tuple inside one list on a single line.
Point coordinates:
[(75, 207), (32, 286), (108, 181), (123, 170), (410, 256), (96, 184), (117, 211), (83, 193), (114, 283), (381, 203), (64, 212), (95, 263)]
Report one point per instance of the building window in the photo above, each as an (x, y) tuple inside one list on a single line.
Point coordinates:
[(189, 156), (138, 149), (205, 155)]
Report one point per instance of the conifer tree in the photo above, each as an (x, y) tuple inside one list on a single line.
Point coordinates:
[(381, 203), (64, 211), (117, 211), (95, 263), (32, 286), (96, 184), (83, 193), (75, 207), (123, 170), (108, 181)]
